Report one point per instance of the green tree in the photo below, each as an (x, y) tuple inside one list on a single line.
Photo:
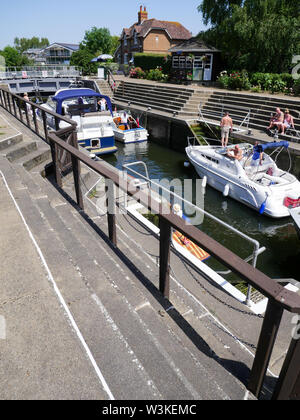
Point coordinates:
[(23, 44), (13, 58), (82, 58), (257, 35), (97, 41), (115, 42)]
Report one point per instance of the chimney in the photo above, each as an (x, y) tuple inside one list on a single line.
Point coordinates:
[(142, 15)]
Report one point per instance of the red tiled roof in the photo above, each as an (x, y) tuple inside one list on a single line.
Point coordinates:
[(174, 29)]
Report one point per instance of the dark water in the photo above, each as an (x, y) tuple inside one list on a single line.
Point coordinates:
[(281, 260)]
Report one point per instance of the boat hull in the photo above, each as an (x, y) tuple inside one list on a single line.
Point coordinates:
[(136, 135)]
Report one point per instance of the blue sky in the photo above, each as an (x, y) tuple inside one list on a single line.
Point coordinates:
[(67, 20)]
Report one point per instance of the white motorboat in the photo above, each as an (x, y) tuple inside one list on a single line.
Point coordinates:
[(132, 132), (95, 129), (258, 184)]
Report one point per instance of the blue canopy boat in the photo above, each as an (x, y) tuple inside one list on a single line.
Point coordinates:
[(94, 127)]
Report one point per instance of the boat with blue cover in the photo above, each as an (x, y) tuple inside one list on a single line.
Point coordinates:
[(95, 128)]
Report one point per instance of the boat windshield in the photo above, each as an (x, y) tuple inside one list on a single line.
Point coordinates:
[(52, 104), (83, 104)]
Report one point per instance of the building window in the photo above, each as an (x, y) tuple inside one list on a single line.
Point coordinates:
[(125, 58), (135, 40), (125, 41), (198, 63), (176, 62), (182, 64)]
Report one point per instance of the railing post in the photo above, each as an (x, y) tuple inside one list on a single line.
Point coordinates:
[(288, 384), (44, 118), (5, 100), (56, 119), (76, 174), (265, 346), (55, 160), (14, 106), (164, 255), (8, 101), (20, 110), (111, 210), (35, 120)]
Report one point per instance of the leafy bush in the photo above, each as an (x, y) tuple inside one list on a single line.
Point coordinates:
[(153, 74), (236, 80), (156, 74), (137, 73), (273, 82), (239, 81), (288, 79), (296, 87), (223, 80)]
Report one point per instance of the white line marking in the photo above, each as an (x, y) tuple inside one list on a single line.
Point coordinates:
[(60, 297)]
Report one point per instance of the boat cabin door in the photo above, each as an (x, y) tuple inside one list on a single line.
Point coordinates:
[(207, 74)]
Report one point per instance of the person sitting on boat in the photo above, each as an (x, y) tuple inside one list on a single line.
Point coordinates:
[(226, 128), (277, 121), (124, 120), (288, 121), (102, 105), (131, 122), (258, 154), (235, 153)]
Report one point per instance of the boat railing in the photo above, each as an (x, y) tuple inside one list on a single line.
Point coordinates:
[(151, 184), (279, 298)]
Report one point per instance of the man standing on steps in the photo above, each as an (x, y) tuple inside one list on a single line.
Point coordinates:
[(226, 128)]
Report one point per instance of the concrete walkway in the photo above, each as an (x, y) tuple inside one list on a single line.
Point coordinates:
[(41, 356)]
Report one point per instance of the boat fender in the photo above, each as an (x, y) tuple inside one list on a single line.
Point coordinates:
[(187, 164), (204, 181), (226, 190), (263, 206)]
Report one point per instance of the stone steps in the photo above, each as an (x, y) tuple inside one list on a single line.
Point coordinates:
[(158, 97), (118, 302), (138, 346)]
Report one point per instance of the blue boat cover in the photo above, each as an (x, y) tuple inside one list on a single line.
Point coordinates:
[(260, 148), (275, 144), (78, 93)]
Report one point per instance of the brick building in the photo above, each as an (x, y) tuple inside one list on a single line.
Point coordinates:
[(149, 36)]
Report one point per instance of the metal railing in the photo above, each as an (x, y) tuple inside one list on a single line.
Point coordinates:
[(145, 180), (220, 113), (111, 80), (280, 298), (41, 72)]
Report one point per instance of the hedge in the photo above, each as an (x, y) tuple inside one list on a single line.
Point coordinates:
[(147, 61)]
